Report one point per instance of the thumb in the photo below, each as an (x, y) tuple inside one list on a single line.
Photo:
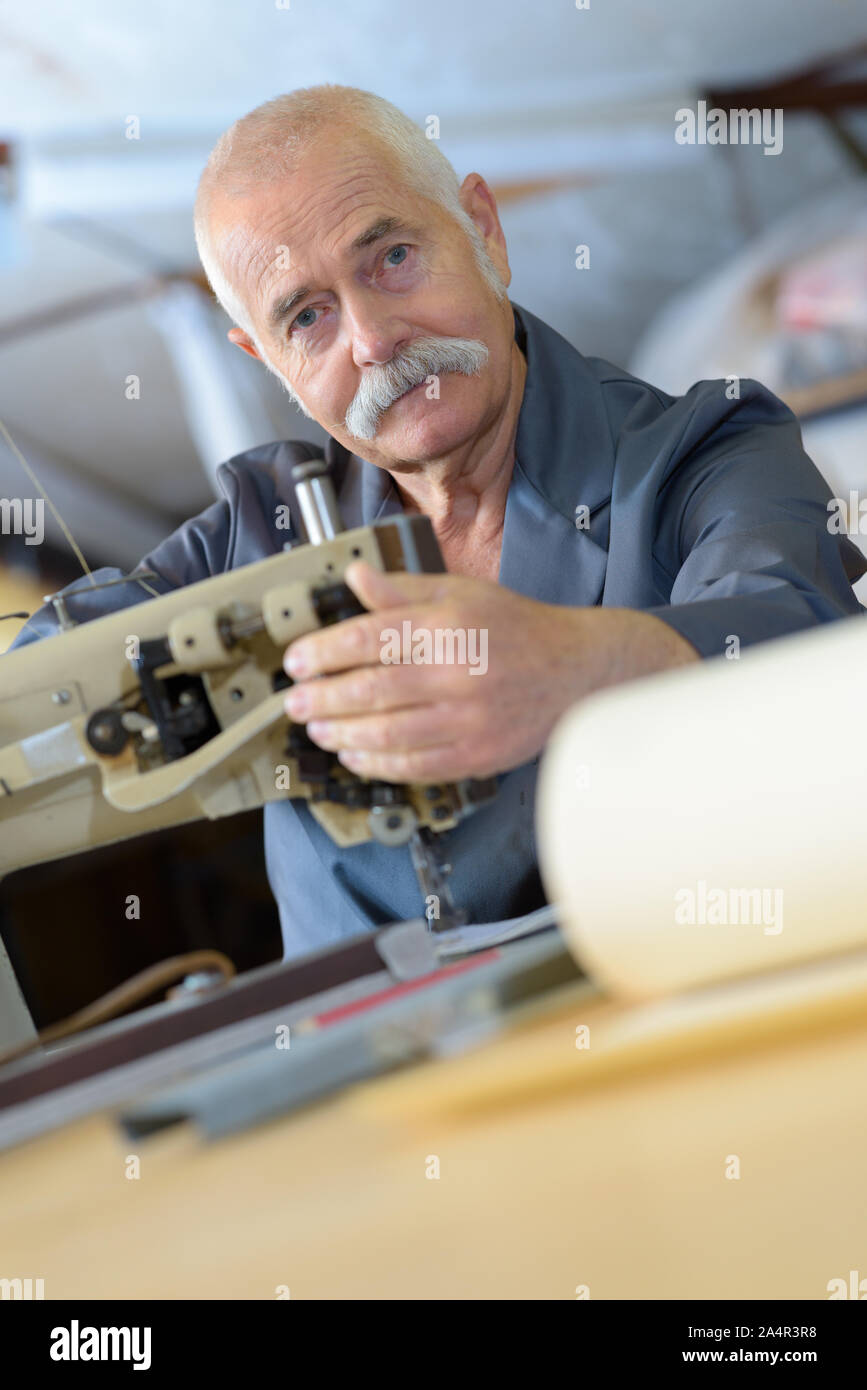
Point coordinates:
[(376, 589)]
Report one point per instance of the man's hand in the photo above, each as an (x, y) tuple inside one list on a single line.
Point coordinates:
[(393, 711)]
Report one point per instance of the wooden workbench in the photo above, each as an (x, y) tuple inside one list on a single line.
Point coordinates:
[(617, 1184)]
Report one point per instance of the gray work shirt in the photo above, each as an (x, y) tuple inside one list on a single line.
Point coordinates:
[(702, 509)]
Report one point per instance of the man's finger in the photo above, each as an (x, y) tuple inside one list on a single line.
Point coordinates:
[(399, 731), (366, 690), (354, 642), (377, 589)]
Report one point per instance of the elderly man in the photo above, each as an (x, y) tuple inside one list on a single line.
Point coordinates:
[(594, 528)]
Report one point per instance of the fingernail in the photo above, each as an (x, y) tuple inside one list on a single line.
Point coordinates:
[(298, 661), (319, 728), (354, 761), (297, 703)]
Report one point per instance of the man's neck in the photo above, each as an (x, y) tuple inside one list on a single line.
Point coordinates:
[(468, 488)]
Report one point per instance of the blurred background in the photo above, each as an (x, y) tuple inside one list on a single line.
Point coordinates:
[(119, 387)]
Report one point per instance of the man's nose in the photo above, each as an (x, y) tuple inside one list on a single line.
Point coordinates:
[(375, 334)]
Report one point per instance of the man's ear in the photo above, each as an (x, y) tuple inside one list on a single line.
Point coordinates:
[(244, 342), (479, 202)]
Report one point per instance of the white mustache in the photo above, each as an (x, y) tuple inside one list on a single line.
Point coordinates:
[(381, 386)]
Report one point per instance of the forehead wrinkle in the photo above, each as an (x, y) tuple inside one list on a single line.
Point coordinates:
[(241, 257), (381, 189), (234, 248), (353, 192)]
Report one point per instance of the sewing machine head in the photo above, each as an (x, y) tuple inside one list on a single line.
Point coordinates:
[(172, 710)]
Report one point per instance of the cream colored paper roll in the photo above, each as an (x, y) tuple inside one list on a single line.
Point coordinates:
[(712, 821)]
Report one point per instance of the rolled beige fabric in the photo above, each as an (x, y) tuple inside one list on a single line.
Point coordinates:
[(711, 822)]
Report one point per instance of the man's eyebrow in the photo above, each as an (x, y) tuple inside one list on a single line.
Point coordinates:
[(385, 226), (282, 308)]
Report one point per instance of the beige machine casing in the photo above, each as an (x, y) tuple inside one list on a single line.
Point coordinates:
[(58, 795)]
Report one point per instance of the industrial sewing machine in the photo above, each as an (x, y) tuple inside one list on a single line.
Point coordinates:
[(172, 710)]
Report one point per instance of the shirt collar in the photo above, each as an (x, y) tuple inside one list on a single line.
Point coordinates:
[(564, 444)]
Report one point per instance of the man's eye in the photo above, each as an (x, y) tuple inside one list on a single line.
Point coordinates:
[(401, 251), (297, 322)]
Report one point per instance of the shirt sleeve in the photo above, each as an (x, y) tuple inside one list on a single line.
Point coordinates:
[(757, 556), (196, 550)]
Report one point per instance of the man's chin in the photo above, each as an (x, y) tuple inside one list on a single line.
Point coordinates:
[(414, 438)]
